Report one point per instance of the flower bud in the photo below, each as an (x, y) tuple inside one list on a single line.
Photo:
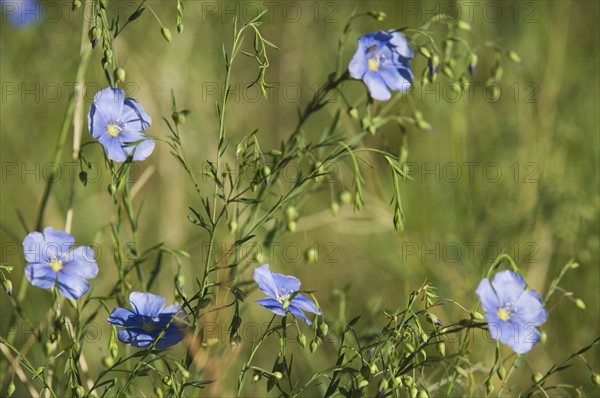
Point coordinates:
[(179, 117), (291, 226), (278, 375), (543, 337), (166, 33), (373, 368), (275, 152), (425, 51), (311, 255), (407, 381), (536, 377), (353, 112), (383, 385), (10, 389), (335, 207), (446, 70), (574, 265), (291, 213), (464, 25), (108, 361), (514, 57), (256, 377), (76, 4), (501, 372), (580, 304), (472, 63), (345, 197), (422, 394), (441, 348), (596, 378), (79, 391), (378, 15), (167, 380), (323, 329), (476, 316), (232, 226), (313, 346), (363, 383), (158, 392), (413, 392), (302, 340), (489, 386), (7, 285), (119, 74)]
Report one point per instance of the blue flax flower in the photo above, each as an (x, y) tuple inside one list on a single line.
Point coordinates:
[(280, 288), (149, 317), (381, 61), (116, 122), (20, 13), (52, 261), (511, 311)]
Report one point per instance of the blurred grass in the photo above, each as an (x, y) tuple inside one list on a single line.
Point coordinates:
[(552, 123)]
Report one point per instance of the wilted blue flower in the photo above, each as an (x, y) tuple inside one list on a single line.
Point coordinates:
[(381, 61), (280, 288), (52, 261), (149, 318), (511, 311), (20, 13), (116, 122)]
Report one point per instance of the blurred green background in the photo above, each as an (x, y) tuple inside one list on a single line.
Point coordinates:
[(528, 163)]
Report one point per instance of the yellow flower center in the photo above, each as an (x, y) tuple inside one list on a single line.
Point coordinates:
[(114, 130), (56, 264), (374, 64), (504, 314)]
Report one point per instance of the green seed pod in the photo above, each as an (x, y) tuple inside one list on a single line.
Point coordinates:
[(574, 265), (278, 375), (407, 381), (323, 329), (10, 389), (76, 5), (378, 15), (446, 70), (536, 377), (422, 394), (167, 380), (409, 347), (425, 51), (159, 393), (501, 372), (256, 377), (580, 304), (179, 117), (285, 304), (489, 386), (275, 152), (313, 346), (596, 378), (363, 384), (166, 33)]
